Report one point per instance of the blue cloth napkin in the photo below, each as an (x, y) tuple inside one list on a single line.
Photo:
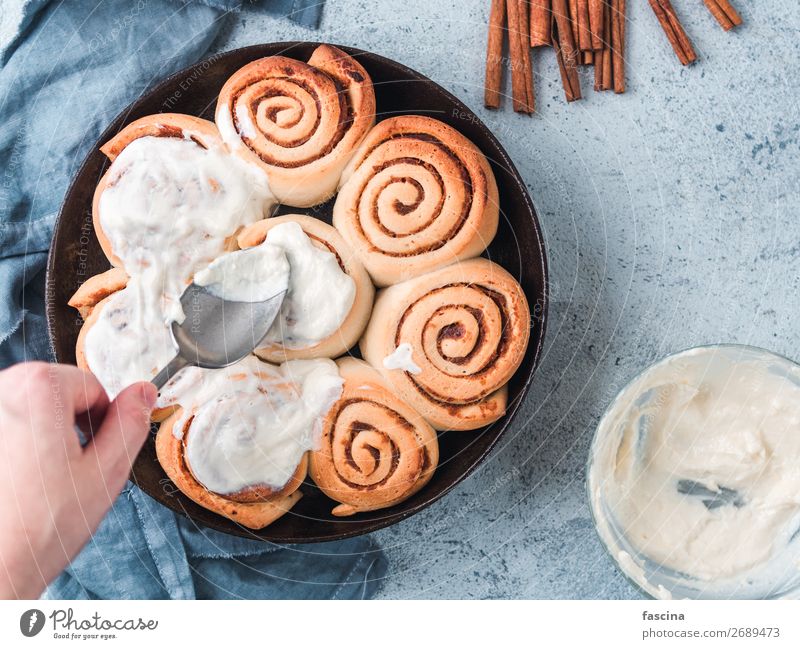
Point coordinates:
[(66, 69)]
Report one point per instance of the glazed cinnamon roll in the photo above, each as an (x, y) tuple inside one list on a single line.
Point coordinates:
[(199, 132), (254, 507), (300, 122), (449, 341), (238, 444), (114, 328), (376, 451), (416, 196), (330, 294)]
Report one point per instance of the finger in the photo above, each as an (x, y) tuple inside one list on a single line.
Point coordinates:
[(89, 422), (65, 386), (122, 433), (81, 390)]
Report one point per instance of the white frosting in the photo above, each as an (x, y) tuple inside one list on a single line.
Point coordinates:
[(320, 293), (246, 126), (724, 424), (252, 275), (168, 208), (170, 204), (228, 130), (402, 359), (252, 421), (129, 341)]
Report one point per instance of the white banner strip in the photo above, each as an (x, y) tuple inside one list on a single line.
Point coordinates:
[(407, 624)]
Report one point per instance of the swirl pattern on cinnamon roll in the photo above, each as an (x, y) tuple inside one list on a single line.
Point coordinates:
[(416, 196), (239, 442), (376, 451), (449, 341), (330, 295), (300, 122)]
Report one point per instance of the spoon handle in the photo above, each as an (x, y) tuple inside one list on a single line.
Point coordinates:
[(172, 368)]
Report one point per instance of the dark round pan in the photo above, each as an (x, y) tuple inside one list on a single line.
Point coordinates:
[(75, 256)]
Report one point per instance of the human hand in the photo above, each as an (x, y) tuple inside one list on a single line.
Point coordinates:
[(55, 492)]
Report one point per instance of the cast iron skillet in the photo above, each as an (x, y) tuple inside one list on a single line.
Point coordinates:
[(75, 256)]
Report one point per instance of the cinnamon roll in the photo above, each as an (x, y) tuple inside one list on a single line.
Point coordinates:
[(416, 196), (97, 288), (300, 122), (200, 132), (330, 295), (449, 341), (119, 342), (238, 444), (254, 507), (376, 451)]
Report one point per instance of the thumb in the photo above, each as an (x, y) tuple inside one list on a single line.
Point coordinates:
[(124, 430)]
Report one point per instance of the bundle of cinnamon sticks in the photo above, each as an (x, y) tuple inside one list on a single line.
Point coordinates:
[(582, 32)]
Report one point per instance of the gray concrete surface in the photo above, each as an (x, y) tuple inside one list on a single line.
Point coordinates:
[(671, 218)]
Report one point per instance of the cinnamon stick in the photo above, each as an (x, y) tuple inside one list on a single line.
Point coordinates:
[(724, 12), (566, 53), (674, 30), (603, 68), (618, 44), (494, 55), (582, 18), (598, 71), (596, 24), (540, 23), (521, 73), (573, 21)]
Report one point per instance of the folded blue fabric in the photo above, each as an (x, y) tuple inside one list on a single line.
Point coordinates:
[(68, 69)]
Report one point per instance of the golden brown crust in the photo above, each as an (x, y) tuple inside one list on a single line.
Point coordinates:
[(255, 514), (324, 237), (468, 326), (97, 288), (375, 451), (303, 120), (200, 131), (416, 196)]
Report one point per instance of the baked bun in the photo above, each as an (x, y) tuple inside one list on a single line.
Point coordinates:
[(466, 328), (376, 451), (416, 196), (300, 122)]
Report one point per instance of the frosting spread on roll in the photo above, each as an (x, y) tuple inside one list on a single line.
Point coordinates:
[(299, 121), (416, 196), (320, 292), (251, 423), (169, 205), (127, 340), (330, 297), (375, 450), (251, 275)]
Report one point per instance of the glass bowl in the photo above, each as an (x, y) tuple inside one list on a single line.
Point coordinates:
[(776, 577)]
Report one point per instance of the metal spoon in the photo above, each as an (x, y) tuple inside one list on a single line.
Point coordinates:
[(216, 332), (711, 499)]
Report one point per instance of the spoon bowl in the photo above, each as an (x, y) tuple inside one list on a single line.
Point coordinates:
[(216, 332)]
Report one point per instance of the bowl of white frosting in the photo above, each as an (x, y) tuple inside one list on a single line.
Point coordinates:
[(694, 476)]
